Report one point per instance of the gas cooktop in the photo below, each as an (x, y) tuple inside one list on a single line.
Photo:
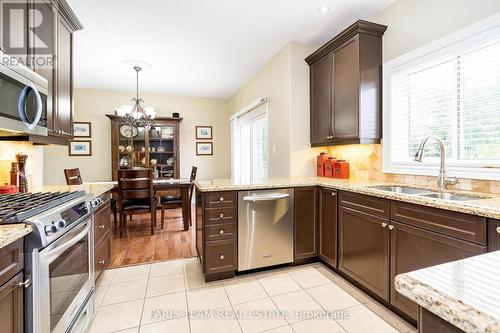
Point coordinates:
[(15, 208)]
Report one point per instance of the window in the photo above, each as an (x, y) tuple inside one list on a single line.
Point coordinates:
[(449, 89), (249, 143)]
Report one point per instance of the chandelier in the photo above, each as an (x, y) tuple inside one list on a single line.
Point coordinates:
[(137, 116)]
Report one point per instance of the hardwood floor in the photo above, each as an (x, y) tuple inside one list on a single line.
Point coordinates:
[(139, 246)]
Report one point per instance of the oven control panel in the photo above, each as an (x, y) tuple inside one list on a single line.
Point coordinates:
[(73, 214)]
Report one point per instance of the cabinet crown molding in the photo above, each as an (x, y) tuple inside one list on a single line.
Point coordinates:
[(68, 14), (358, 27)]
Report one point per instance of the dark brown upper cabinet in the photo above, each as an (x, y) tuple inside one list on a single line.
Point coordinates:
[(346, 87)]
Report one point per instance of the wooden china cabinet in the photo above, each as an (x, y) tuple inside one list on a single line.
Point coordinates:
[(137, 147)]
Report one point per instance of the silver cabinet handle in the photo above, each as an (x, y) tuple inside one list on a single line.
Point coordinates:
[(221, 199), (391, 227), (221, 232), (268, 197), (101, 262), (221, 257), (100, 226), (498, 230), (221, 215), (384, 224), (24, 284), (334, 193)]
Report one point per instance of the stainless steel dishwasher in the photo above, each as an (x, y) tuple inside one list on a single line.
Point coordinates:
[(265, 228)]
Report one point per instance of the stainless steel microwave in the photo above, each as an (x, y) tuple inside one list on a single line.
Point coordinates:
[(23, 100)]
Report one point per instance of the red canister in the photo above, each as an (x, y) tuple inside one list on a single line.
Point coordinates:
[(329, 167), (8, 189), (321, 160), (340, 169)]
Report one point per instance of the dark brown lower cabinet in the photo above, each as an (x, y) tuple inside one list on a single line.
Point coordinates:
[(11, 305), (328, 226), (493, 235), (305, 230), (430, 323), (364, 250), (102, 235), (414, 248)]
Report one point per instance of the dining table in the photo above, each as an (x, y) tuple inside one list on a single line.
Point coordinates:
[(159, 185)]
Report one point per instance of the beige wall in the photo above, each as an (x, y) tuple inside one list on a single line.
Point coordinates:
[(285, 80), (92, 105)]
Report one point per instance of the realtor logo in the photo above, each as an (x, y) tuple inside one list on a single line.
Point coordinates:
[(27, 31)]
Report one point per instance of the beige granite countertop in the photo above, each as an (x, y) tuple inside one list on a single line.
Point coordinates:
[(11, 232), (94, 188), (487, 206), (465, 293)]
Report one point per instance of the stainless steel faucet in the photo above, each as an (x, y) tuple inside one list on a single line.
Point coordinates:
[(442, 180)]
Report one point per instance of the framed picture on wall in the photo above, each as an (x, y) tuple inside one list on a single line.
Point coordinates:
[(80, 148), (204, 148), (204, 133), (82, 129)]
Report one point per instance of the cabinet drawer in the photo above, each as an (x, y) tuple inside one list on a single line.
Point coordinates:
[(368, 204), (102, 222), (102, 256), (463, 226), (217, 232), (220, 256), (220, 199), (11, 260), (106, 196), (221, 215)]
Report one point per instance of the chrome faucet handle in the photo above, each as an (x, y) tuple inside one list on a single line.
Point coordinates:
[(451, 180)]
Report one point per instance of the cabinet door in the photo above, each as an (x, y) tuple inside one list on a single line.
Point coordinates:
[(64, 79), (328, 226), (11, 305), (305, 231), (346, 90), (414, 248), (364, 250), (493, 235), (321, 99)]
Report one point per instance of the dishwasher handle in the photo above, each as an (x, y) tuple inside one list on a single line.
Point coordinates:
[(268, 197)]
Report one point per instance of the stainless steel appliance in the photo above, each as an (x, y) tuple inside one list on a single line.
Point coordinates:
[(265, 228), (24, 99), (58, 258)]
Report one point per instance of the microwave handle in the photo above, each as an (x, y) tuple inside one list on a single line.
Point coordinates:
[(30, 87), (58, 250)]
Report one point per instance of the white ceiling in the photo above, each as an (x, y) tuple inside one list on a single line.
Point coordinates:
[(198, 47)]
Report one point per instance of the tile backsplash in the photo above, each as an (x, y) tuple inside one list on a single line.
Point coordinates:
[(34, 165), (366, 163)]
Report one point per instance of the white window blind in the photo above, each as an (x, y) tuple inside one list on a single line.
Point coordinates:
[(249, 146), (450, 90)]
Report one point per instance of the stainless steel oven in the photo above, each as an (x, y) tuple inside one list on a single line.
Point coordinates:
[(62, 271)]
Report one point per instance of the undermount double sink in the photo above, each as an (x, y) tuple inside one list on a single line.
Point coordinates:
[(427, 193)]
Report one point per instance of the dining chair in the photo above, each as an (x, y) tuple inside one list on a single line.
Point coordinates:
[(73, 177), (136, 196), (173, 202)]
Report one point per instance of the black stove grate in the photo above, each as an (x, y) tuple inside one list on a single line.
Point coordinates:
[(15, 208)]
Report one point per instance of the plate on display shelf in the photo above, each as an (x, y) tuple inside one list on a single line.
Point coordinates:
[(128, 131)]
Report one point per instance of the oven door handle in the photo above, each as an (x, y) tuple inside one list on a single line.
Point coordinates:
[(52, 254)]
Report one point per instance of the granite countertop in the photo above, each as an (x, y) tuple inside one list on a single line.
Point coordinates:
[(94, 188), (11, 232), (487, 206), (465, 293)]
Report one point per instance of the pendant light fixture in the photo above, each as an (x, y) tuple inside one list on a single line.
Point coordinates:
[(137, 116)]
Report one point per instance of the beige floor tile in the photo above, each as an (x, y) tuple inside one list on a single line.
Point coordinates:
[(317, 325), (125, 291), (207, 298), (165, 307), (220, 320), (165, 284), (390, 317), (258, 316), (130, 330), (179, 325), (309, 277), (282, 329), (354, 291), (239, 279), (117, 317), (245, 291), (192, 265), (297, 306), (329, 274), (131, 273), (362, 320), (167, 268), (100, 292), (278, 284), (195, 280), (106, 277), (331, 297)]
